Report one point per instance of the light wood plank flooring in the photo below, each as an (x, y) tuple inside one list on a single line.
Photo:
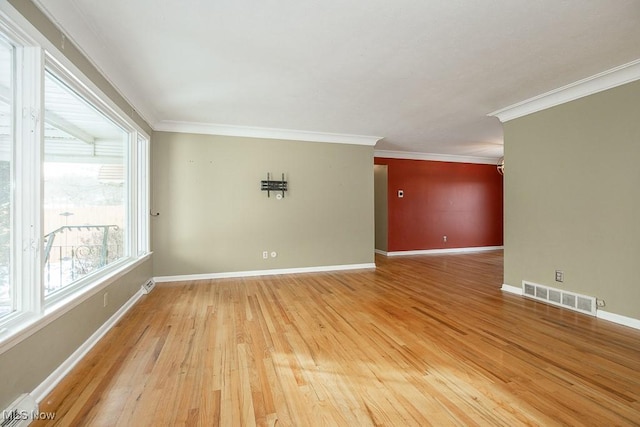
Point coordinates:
[(427, 340)]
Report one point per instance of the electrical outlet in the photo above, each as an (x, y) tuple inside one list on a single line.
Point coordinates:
[(400, 194), (105, 299), (265, 254), (559, 276), (600, 302), (444, 239), (274, 254)]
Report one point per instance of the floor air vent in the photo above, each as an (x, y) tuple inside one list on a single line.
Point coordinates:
[(148, 287), (20, 413), (570, 300)]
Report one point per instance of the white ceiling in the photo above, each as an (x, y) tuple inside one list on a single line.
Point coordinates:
[(423, 74)]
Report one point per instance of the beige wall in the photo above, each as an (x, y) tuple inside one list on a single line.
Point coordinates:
[(382, 206), (27, 364), (572, 198), (214, 218)]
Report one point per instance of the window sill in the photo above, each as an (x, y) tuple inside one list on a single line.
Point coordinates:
[(30, 323)]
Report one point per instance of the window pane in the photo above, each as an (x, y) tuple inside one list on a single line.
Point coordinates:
[(7, 293), (85, 188)]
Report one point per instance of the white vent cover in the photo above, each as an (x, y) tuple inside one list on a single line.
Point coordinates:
[(20, 413), (148, 287), (559, 297)]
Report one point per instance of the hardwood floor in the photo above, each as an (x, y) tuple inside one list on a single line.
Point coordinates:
[(427, 340)]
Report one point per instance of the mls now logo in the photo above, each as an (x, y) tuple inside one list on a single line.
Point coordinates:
[(25, 415)]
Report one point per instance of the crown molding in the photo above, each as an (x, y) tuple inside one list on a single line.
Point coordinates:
[(268, 133), (407, 155), (617, 76)]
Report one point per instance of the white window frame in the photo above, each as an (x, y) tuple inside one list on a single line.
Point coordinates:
[(55, 69), (144, 201), (34, 52), (26, 197)]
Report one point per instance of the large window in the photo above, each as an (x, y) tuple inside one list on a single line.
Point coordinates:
[(73, 183), (85, 188)]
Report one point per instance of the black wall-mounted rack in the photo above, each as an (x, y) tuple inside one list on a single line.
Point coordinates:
[(269, 185)]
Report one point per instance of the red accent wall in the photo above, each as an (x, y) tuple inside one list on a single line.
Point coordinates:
[(462, 201)]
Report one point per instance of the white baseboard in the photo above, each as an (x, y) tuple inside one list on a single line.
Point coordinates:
[(253, 273), (617, 318), (511, 289), (445, 251), (42, 390), (381, 252)]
